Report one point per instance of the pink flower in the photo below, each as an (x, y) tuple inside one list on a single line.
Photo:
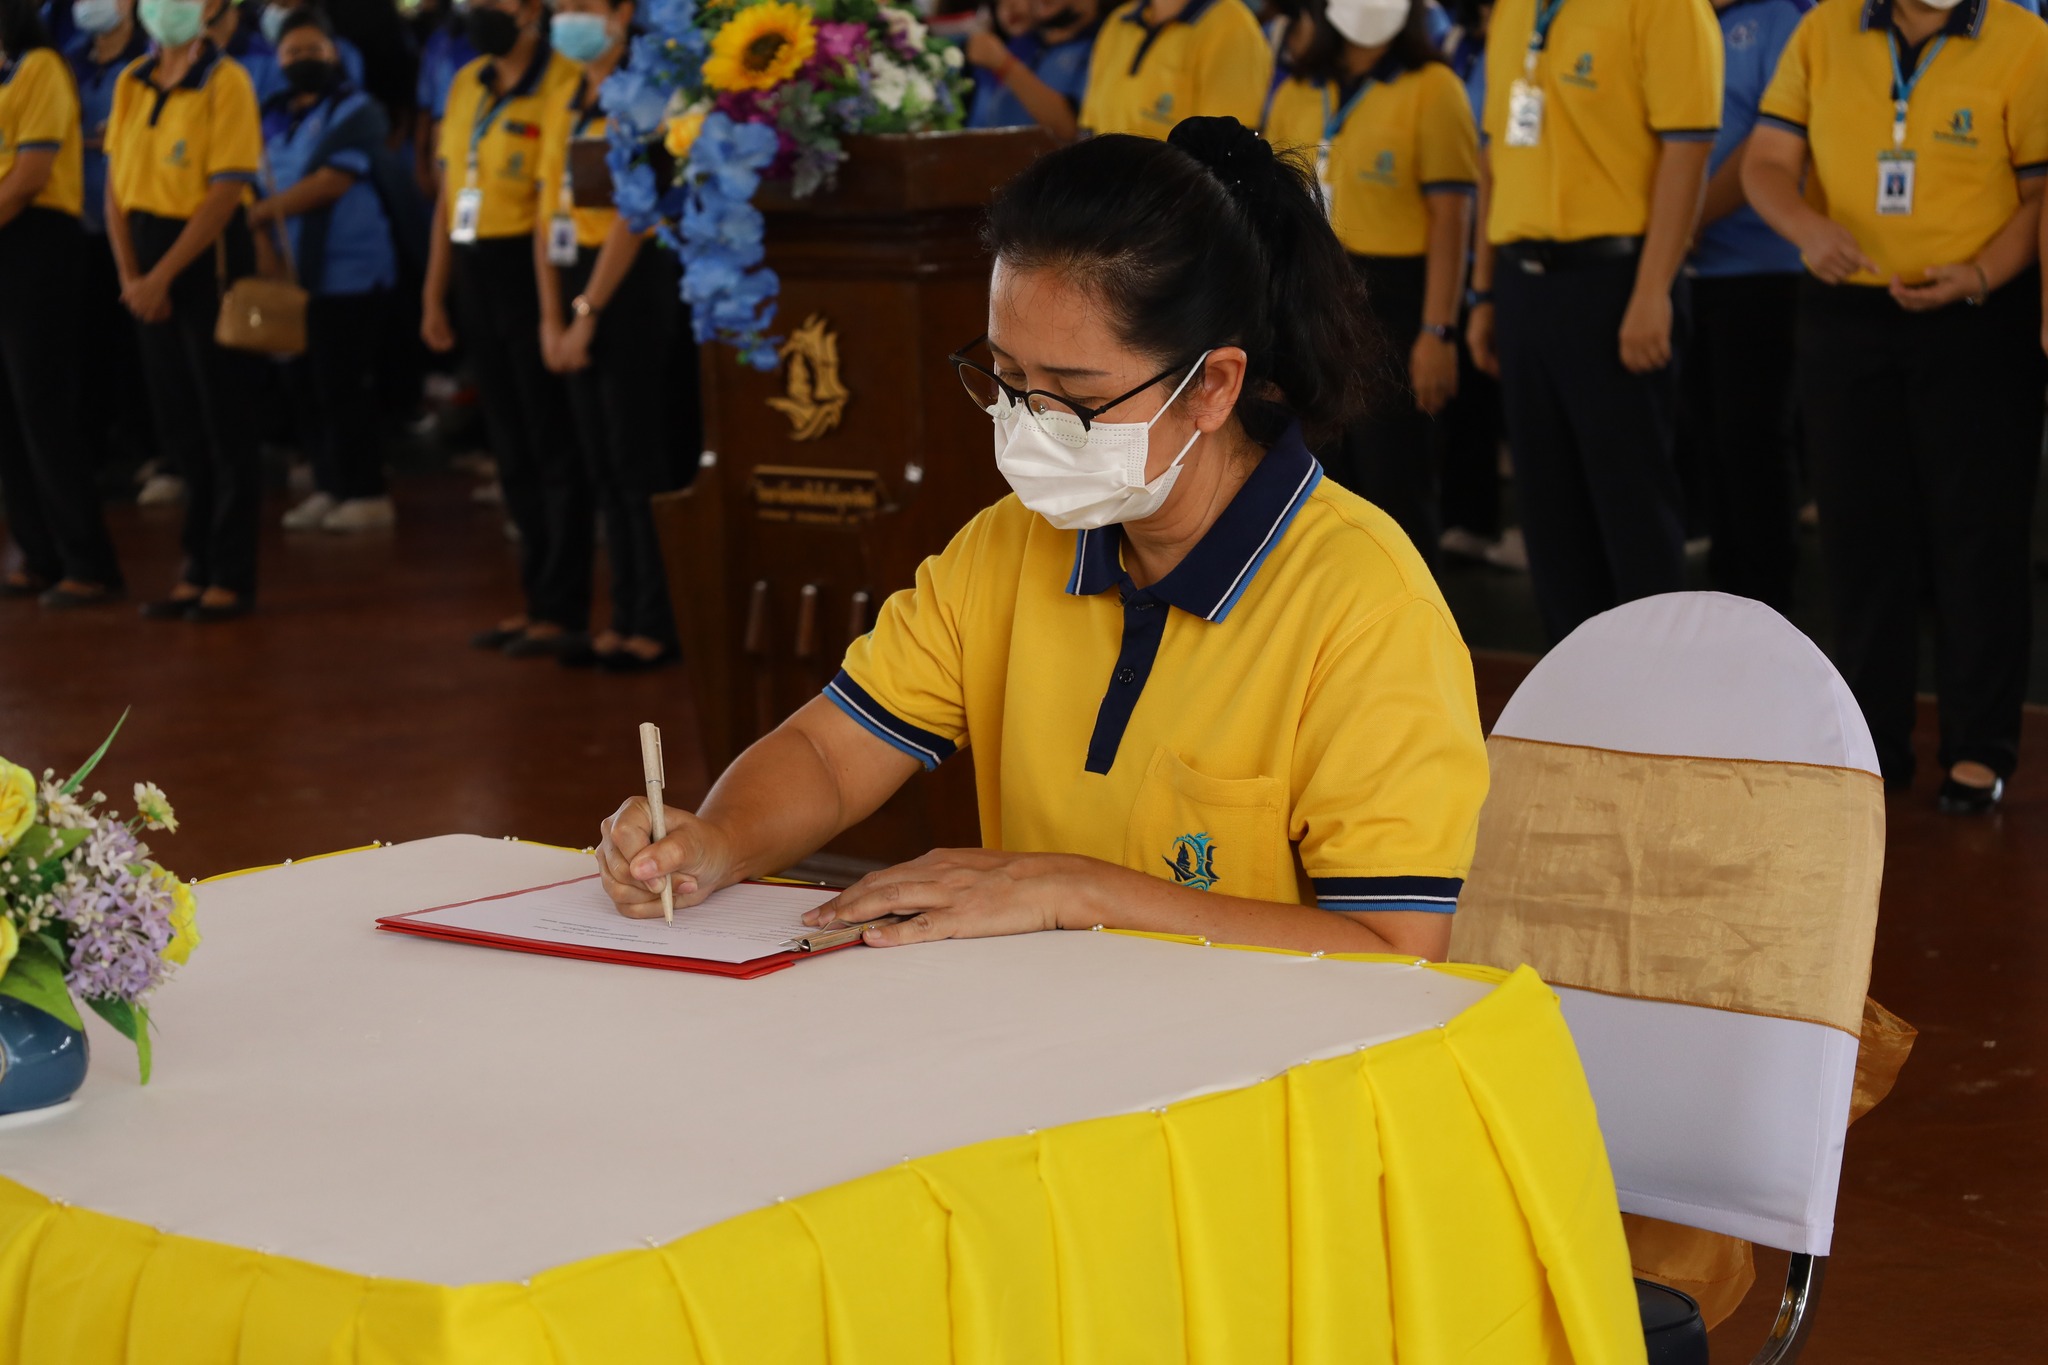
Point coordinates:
[(842, 42)]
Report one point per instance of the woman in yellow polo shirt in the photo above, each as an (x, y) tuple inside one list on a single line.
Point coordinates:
[(1208, 691), (53, 509), (1398, 155), (1925, 131), (1157, 62), (611, 319), (183, 148), (492, 139)]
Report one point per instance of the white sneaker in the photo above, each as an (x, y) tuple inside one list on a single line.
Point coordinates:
[(1510, 552), (361, 514), (309, 515), (1464, 544), (161, 490)]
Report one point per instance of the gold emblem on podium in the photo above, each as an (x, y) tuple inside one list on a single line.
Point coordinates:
[(815, 398)]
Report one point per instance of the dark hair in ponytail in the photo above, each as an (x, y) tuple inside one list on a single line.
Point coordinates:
[(1206, 239)]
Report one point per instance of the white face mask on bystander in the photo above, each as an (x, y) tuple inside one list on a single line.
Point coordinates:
[(1369, 23)]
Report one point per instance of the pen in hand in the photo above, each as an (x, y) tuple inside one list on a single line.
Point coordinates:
[(650, 764)]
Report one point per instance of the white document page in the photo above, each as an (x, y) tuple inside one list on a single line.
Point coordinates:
[(736, 925)]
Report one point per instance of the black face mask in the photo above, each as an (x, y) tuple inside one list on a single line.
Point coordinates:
[(311, 76), (1065, 19), (492, 31)]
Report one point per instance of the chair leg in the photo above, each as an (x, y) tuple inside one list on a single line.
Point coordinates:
[(1795, 1311)]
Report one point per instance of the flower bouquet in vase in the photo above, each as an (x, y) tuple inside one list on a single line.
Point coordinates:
[(738, 91), (85, 916)]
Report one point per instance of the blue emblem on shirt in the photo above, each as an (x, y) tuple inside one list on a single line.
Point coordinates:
[(177, 156), (1382, 171), (1193, 862), (1961, 129), (1581, 73)]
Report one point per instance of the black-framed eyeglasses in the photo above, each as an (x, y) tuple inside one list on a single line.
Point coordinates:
[(1058, 417)]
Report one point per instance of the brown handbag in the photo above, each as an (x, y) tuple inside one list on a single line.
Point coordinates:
[(267, 316)]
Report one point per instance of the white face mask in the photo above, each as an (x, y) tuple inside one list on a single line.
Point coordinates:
[(1370, 23), (1943, 4), (1092, 479)]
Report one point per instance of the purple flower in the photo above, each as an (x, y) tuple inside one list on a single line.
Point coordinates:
[(120, 920), (842, 43)]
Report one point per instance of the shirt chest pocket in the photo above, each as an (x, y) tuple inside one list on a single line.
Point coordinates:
[(1210, 833), (1965, 126)]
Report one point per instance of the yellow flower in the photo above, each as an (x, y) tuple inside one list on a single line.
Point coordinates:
[(184, 918), (17, 803), (761, 47), (10, 943), (154, 807), (682, 135)]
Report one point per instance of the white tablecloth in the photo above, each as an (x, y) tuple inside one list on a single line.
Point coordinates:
[(405, 1108)]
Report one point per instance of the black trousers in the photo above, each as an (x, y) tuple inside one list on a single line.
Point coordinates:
[(1471, 451), (526, 414), (621, 403), (1596, 476), (53, 504), (1737, 391), (341, 418), (1924, 431), (202, 396), (113, 410), (1390, 458)]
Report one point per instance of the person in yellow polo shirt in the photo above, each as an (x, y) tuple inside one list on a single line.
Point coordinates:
[(183, 149), (1600, 119), (1208, 690), (1157, 62), (1399, 154), (492, 141), (53, 509), (611, 320), (1920, 131)]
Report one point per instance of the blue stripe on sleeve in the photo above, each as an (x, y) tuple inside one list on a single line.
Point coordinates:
[(927, 748), (1797, 129), (1436, 894)]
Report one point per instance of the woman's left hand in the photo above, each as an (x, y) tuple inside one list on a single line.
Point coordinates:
[(1433, 372), (572, 352), (147, 297), (955, 893), (1944, 285)]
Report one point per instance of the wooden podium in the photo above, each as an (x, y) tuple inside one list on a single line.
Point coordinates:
[(825, 483)]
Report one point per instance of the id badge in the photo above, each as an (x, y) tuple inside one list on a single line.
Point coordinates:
[(469, 210), (1525, 114), (1323, 185), (1895, 184), (561, 240)]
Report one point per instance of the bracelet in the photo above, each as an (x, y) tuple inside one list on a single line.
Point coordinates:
[(1976, 300), (1475, 297), (581, 306), (1442, 331)]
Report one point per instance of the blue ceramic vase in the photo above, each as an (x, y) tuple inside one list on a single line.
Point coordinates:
[(42, 1058)]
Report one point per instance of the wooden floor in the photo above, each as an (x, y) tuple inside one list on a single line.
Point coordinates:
[(350, 709)]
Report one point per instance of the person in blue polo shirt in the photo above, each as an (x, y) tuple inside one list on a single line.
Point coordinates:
[(320, 138), (271, 23), (1038, 75), (1738, 380), (238, 35)]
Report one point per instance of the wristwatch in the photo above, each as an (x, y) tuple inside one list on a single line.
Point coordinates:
[(1441, 331), (581, 306), (1475, 297)]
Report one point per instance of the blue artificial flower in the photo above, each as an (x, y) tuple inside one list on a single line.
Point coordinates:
[(633, 99)]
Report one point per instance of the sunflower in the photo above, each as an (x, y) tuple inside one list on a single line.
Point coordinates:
[(761, 47)]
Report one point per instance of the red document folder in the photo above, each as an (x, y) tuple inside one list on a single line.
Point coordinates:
[(410, 923)]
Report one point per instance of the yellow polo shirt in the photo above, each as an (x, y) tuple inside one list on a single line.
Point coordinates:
[(1619, 77), (1210, 59), (508, 130), (1410, 134), (564, 125), (39, 112), (1977, 125), (165, 148), (1287, 716)]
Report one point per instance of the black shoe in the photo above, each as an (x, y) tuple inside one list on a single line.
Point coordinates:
[(581, 656), (61, 598), (525, 646), (28, 586), (626, 661), (497, 637), (1960, 798), (169, 609), (234, 610)]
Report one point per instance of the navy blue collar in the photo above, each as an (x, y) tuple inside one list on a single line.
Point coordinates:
[(79, 52), (1225, 561), (195, 79), (1195, 10), (1966, 20), (529, 79)]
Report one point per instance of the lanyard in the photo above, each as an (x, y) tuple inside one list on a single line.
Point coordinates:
[(1902, 87), (480, 127), (1335, 119), (1539, 36)]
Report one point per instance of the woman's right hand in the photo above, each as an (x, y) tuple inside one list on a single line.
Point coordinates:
[(435, 329), (1832, 253), (1479, 339), (695, 856), (985, 50)]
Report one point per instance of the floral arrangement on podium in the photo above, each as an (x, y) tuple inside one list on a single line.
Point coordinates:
[(84, 913), (736, 91)]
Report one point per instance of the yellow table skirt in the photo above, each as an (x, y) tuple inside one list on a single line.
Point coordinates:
[(1445, 1197)]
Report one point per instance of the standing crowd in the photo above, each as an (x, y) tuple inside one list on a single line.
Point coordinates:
[(1683, 256)]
